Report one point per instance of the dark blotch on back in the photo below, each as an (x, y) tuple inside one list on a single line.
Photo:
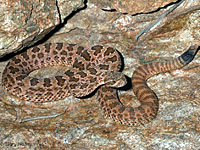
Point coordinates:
[(55, 57), (12, 81), (47, 82), (119, 116), (34, 81), (86, 55), (13, 70), (92, 79), (24, 63), (59, 46), (113, 59), (60, 80), (73, 79), (16, 60), (21, 77), (48, 93), (104, 67), (18, 89), (69, 73), (40, 55), (80, 49), (35, 49), (25, 56), (92, 71), (82, 74), (48, 58), (33, 56), (73, 86), (97, 49), (47, 47), (70, 47), (36, 62), (64, 52), (83, 86), (69, 58), (78, 65), (109, 51), (55, 52)]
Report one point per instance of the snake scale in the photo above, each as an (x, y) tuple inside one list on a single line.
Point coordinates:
[(88, 69)]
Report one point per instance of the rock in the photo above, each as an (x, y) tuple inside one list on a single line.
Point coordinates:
[(132, 7), (84, 126), (23, 23)]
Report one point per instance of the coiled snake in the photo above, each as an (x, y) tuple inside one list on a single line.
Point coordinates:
[(88, 70)]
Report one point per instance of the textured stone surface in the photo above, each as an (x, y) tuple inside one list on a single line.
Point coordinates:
[(83, 126), (23, 23), (132, 7)]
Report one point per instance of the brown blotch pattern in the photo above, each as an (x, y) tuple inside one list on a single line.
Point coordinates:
[(20, 77), (33, 56), (69, 59), (80, 49), (73, 86), (148, 99), (40, 55), (55, 52), (73, 79), (25, 56), (34, 81), (92, 79), (69, 73), (16, 60), (47, 82), (86, 55), (36, 62), (78, 65), (92, 71), (103, 67), (70, 47), (24, 63), (109, 51), (35, 49), (112, 59), (55, 57), (13, 70), (47, 47), (59, 46), (82, 74), (84, 85), (97, 49), (63, 52), (60, 80)]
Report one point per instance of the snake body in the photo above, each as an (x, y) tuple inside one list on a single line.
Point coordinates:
[(89, 69), (147, 111)]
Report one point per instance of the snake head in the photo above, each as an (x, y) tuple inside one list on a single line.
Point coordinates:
[(115, 79)]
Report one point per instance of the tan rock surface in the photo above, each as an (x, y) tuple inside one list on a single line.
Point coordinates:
[(132, 7), (23, 23), (83, 126)]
